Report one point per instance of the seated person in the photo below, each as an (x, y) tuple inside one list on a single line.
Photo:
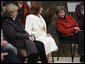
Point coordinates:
[(3, 54), (35, 25), (79, 15), (69, 28), (17, 36), (8, 54)]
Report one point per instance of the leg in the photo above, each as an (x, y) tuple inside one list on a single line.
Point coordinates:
[(72, 51), (13, 48), (41, 49), (31, 51), (81, 46), (48, 57), (72, 40), (52, 57), (32, 58), (11, 57), (58, 51), (22, 54)]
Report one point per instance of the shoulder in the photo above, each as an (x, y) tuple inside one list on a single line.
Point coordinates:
[(44, 17), (31, 16), (7, 21), (78, 5)]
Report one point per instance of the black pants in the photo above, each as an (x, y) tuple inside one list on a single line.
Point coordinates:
[(41, 50), (11, 57), (81, 42), (32, 58), (77, 38)]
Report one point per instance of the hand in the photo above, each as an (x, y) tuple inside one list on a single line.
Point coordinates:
[(48, 35), (31, 38), (2, 56), (77, 28), (77, 31), (3, 43)]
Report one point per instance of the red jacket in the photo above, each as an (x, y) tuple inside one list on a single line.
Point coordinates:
[(66, 26)]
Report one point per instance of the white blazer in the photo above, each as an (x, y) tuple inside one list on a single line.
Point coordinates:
[(35, 27)]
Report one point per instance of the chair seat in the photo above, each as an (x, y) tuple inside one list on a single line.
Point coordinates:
[(66, 41)]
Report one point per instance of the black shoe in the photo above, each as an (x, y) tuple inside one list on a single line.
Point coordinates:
[(81, 59)]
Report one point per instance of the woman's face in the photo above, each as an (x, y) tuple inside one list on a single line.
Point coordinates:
[(40, 11), (14, 14), (61, 14)]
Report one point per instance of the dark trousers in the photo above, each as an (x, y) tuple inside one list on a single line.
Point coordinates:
[(81, 43), (34, 57), (41, 49), (11, 57), (77, 38)]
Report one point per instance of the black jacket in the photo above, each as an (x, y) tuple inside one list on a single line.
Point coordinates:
[(15, 34), (13, 31)]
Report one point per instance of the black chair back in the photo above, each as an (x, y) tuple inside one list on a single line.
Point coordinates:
[(58, 34)]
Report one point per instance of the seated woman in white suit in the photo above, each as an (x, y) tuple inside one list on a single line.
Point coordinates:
[(35, 25)]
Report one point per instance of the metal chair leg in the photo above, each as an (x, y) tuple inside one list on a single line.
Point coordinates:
[(58, 56), (58, 52), (72, 52)]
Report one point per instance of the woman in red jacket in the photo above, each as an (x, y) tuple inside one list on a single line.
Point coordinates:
[(66, 24), (69, 28)]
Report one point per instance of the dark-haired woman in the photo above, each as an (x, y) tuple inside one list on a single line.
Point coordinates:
[(35, 25)]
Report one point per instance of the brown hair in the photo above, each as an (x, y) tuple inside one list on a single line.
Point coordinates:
[(59, 8), (35, 7), (82, 2), (49, 13)]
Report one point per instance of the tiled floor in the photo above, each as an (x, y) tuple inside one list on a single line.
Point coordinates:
[(66, 60)]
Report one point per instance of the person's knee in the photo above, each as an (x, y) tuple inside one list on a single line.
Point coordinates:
[(41, 44), (12, 47)]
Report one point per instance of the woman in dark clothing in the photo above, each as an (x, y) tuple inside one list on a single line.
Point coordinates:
[(79, 14), (49, 15), (16, 35)]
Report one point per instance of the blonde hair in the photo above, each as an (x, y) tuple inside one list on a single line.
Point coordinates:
[(59, 8), (10, 8)]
